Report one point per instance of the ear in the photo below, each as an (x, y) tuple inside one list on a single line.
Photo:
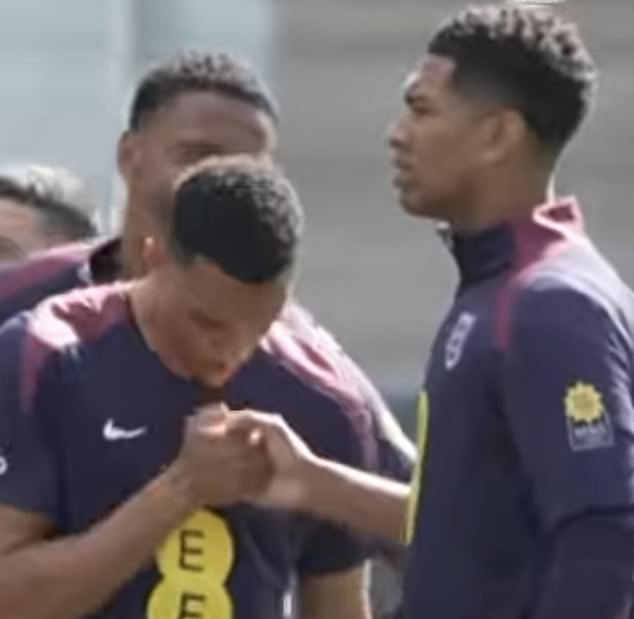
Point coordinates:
[(154, 253), (128, 155), (502, 135)]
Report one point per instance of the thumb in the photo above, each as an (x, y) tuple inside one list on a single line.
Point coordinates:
[(259, 426), (212, 414)]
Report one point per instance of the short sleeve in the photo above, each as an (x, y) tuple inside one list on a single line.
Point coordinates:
[(27, 463), (396, 454), (329, 547), (567, 397)]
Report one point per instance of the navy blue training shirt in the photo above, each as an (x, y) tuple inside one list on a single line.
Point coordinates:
[(24, 284), (526, 419), (88, 415)]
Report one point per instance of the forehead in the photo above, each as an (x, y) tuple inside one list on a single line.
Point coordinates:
[(15, 216), (432, 76), (210, 290), (216, 118)]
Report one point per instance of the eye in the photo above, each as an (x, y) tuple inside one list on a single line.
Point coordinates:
[(420, 110)]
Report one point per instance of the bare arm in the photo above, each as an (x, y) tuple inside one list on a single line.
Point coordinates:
[(365, 502), (342, 595), (362, 501), (74, 576)]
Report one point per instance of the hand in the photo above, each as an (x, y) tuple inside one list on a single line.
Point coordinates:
[(221, 467), (291, 459)]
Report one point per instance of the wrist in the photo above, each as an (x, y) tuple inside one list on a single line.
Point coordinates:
[(177, 488)]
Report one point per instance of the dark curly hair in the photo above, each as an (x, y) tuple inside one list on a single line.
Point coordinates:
[(193, 72), (527, 58), (239, 213)]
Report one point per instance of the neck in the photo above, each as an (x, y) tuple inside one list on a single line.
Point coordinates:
[(149, 319), (136, 228), (498, 201)]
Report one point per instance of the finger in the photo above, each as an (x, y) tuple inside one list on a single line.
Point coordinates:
[(212, 414), (257, 470), (255, 438), (249, 420)]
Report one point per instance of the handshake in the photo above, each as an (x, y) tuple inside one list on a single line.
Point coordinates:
[(229, 456)]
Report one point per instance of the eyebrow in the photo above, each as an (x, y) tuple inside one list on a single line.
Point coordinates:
[(194, 143)]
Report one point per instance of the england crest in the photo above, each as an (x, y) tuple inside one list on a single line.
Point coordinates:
[(457, 338)]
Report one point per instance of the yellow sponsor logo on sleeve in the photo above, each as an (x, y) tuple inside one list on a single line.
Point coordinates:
[(588, 424), (194, 563), (417, 481), (584, 403)]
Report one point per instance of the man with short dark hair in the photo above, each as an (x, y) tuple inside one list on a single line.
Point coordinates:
[(96, 388), (41, 206), (183, 111), (523, 501)]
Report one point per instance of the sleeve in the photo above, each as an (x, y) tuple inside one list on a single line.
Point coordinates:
[(396, 454), (329, 547), (567, 397), (25, 284), (594, 554), (27, 463)]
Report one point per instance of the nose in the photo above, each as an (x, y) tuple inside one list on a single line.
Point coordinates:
[(395, 134)]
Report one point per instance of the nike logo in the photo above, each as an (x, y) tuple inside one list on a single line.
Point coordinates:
[(4, 465), (113, 433)]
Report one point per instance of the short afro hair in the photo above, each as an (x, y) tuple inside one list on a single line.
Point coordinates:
[(239, 213), (527, 58), (194, 72)]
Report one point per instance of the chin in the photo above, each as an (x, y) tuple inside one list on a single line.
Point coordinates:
[(413, 206), (214, 379), (212, 382), (418, 206)]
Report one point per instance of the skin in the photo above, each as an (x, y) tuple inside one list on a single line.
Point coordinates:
[(458, 158), (202, 323), (190, 128), (21, 232)]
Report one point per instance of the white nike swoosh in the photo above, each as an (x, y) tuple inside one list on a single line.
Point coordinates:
[(113, 433)]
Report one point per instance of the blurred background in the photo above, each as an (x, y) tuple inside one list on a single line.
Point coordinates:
[(378, 279)]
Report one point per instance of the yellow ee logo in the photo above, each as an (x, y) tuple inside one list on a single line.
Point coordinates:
[(195, 562), (417, 481)]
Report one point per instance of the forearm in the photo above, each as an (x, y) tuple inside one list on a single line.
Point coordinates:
[(368, 503), (591, 577), (74, 576)]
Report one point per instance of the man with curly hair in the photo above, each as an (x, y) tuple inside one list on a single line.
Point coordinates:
[(524, 496), (523, 502)]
